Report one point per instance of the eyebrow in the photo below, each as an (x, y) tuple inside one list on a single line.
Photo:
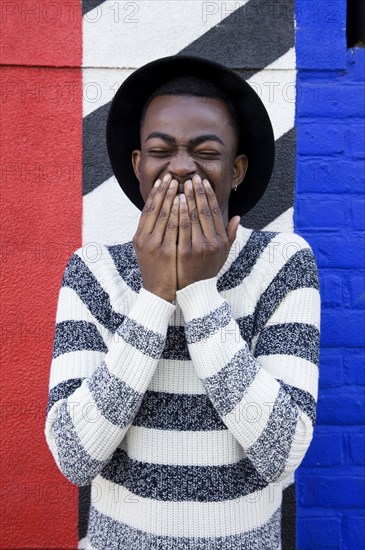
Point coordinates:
[(193, 142)]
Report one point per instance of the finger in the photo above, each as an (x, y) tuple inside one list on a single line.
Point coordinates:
[(196, 231), (231, 229), (165, 210), (203, 209), (172, 225), (153, 205), (216, 212), (184, 235)]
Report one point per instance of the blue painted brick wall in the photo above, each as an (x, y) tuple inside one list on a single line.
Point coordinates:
[(329, 213)]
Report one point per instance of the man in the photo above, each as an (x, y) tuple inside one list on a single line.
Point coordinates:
[(184, 374)]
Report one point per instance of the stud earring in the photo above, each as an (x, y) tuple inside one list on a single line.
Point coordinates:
[(234, 175)]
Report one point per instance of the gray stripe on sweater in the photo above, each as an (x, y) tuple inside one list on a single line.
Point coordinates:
[(299, 272), (246, 260), (203, 328), (79, 277), (146, 341), (227, 387), (175, 411), (63, 390), (104, 532), (75, 463), (117, 401), (178, 482), (76, 336), (158, 410), (270, 452), (303, 399), (126, 263), (176, 346), (298, 339)]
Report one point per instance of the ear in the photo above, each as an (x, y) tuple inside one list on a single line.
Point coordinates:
[(240, 169), (136, 161)]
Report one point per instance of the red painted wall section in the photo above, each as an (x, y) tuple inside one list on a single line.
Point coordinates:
[(41, 32), (41, 208)]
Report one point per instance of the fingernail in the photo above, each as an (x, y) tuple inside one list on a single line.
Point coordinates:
[(176, 200), (182, 197), (173, 183), (206, 183), (189, 184), (196, 178), (157, 183), (166, 177)]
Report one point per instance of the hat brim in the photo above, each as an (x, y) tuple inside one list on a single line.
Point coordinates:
[(123, 123)]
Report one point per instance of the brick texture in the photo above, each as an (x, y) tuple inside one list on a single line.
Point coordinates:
[(329, 213)]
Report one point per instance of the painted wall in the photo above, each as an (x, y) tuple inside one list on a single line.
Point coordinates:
[(329, 213), (41, 208), (59, 73)]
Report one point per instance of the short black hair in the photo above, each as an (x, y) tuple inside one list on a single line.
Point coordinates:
[(194, 86)]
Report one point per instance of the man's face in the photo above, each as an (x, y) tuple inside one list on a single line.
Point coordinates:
[(187, 135)]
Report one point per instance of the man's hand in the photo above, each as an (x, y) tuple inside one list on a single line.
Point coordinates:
[(155, 239), (203, 240)]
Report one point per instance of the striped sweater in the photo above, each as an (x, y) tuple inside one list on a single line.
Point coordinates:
[(188, 418)]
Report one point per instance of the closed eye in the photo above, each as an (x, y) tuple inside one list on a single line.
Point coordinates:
[(159, 152), (206, 154)]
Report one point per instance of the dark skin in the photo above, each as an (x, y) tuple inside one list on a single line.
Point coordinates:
[(186, 168)]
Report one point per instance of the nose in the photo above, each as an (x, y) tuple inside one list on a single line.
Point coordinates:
[(182, 166)]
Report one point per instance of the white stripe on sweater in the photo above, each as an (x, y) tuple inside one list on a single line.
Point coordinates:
[(76, 364), (184, 448), (174, 376), (296, 371), (186, 518), (299, 306)]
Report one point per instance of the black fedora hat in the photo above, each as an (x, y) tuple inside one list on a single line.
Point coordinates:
[(123, 123)]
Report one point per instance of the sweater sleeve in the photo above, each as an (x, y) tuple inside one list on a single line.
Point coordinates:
[(101, 367), (265, 391)]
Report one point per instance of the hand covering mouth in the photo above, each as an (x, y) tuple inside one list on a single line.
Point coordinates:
[(180, 188)]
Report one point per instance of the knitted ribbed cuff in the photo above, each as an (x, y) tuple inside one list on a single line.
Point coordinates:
[(199, 298), (151, 311)]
